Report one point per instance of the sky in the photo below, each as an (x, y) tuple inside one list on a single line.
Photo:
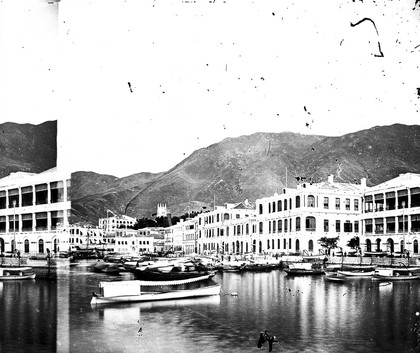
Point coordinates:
[(137, 86)]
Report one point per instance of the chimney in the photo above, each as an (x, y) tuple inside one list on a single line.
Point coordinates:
[(331, 178), (363, 182)]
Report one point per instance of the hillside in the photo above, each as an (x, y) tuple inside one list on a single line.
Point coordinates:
[(250, 167), (27, 147)]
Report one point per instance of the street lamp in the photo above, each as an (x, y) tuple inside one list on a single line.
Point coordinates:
[(14, 226), (403, 221)]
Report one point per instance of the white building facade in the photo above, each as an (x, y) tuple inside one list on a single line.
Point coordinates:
[(111, 224), (293, 222), (391, 216), (223, 229), (34, 212)]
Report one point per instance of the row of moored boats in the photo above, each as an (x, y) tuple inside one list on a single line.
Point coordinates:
[(345, 273)]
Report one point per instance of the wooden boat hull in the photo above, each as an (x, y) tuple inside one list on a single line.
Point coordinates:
[(336, 277), (14, 278), (253, 267), (301, 272), (155, 275), (16, 273), (356, 274), (395, 278), (154, 296)]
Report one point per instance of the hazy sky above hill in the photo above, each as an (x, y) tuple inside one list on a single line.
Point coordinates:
[(139, 85)]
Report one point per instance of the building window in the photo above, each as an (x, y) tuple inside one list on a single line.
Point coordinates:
[(274, 226), (326, 225), (348, 204), (310, 223), (261, 208), (285, 225), (26, 246), (279, 208), (3, 199), (297, 201), (348, 227), (356, 226), (269, 207), (41, 246), (274, 207), (356, 204), (284, 244), (416, 246), (261, 227), (337, 226), (326, 203), (368, 245), (41, 194), (379, 225), (269, 227), (297, 245), (311, 245), (285, 205), (337, 203), (368, 226), (297, 224), (311, 201), (57, 191), (279, 226)]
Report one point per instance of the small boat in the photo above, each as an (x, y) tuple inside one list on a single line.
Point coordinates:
[(146, 291), (16, 273), (396, 274), (335, 277), (259, 267), (305, 268), (169, 274), (356, 273)]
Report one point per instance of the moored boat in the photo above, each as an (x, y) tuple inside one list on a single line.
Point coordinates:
[(396, 274), (155, 274), (305, 268), (146, 291), (356, 273), (16, 273)]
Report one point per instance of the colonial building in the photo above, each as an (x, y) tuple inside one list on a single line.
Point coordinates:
[(129, 241), (222, 230), (189, 236), (391, 216), (111, 224), (85, 237), (295, 220), (34, 212)]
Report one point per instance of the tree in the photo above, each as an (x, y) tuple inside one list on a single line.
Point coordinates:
[(328, 243), (354, 243)]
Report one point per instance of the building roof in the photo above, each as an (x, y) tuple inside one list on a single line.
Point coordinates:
[(403, 180)]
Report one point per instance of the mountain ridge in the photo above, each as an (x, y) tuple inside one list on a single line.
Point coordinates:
[(255, 166)]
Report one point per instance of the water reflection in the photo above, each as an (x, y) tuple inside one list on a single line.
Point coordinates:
[(306, 314)]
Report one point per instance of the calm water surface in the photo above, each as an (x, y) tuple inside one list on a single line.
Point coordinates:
[(306, 314)]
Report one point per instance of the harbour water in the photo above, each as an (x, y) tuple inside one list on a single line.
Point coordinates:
[(306, 314)]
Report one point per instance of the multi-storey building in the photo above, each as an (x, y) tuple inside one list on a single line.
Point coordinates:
[(295, 220), (129, 241), (189, 236), (34, 212), (220, 230), (84, 237), (111, 224), (391, 216)]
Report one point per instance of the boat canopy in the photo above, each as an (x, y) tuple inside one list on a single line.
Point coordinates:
[(118, 288)]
